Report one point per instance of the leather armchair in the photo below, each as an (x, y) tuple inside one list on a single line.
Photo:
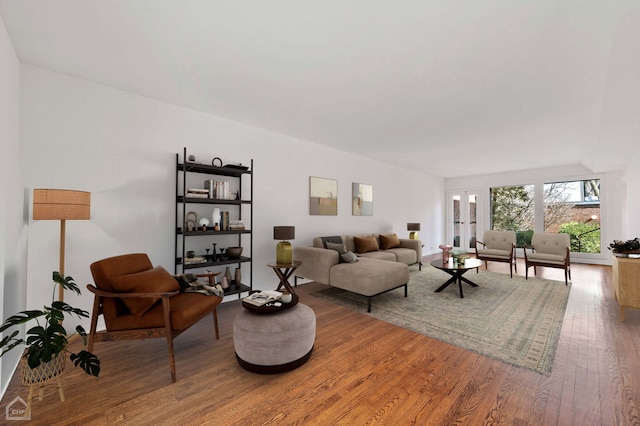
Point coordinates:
[(139, 301)]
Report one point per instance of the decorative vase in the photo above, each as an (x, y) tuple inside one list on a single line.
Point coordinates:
[(225, 283), (227, 274), (238, 277), (215, 217)]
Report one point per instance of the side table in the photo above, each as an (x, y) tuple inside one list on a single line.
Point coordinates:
[(283, 272)]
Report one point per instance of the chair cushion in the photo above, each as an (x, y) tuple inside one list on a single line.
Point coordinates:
[(545, 258), (365, 244), (499, 240), (186, 310), (551, 243), (155, 280), (389, 241), (491, 253)]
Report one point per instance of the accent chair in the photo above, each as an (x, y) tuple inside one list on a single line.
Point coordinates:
[(498, 246), (551, 251)]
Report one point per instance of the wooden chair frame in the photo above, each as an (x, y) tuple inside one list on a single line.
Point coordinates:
[(566, 265), (143, 333), (511, 260)]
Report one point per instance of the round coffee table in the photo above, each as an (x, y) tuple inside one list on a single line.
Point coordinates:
[(456, 270)]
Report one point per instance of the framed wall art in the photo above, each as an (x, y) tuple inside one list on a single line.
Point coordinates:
[(362, 199), (323, 196)]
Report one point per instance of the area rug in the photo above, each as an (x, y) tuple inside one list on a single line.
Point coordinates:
[(514, 320)]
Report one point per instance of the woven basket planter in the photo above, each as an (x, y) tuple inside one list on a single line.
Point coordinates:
[(45, 371)]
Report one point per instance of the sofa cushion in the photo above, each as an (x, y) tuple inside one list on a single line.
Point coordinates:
[(380, 255), (365, 244), (155, 280), (369, 277), (389, 241), (404, 255)]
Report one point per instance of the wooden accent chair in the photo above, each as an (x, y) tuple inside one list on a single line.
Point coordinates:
[(498, 246), (139, 301), (550, 250)]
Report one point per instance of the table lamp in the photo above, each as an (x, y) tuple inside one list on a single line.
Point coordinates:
[(414, 228), (284, 252), (62, 205)]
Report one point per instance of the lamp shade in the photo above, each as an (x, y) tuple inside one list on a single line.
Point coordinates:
[(413, 226), (61, 204), (284, 233)]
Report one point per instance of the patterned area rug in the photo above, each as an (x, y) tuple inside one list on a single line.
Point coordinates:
[(516, 321)]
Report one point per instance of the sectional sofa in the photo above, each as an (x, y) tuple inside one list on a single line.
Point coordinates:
[(368, 265)]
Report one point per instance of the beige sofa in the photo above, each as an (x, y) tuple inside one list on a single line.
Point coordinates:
[(375, 272)]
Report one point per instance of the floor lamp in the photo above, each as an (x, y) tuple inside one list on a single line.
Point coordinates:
[(62, 205)]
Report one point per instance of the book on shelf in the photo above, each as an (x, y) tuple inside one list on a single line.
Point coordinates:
[(197, 193), (224, 221), (263, 297), (236, 225), (195, 259)]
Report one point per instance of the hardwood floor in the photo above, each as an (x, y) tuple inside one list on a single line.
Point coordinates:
[(365, 371)]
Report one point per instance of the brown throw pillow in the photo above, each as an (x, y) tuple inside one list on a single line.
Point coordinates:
[(365, 244), (154, 280), (389, 241)]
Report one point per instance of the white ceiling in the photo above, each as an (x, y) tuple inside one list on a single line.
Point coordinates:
[(448, 87)]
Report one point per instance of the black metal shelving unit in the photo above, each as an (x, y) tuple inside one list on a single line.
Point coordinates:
[(183, 169)]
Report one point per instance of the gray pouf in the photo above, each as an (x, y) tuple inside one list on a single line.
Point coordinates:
[(275, 342)]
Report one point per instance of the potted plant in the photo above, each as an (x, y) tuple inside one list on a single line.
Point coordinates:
[(47, 339), (622, 248)]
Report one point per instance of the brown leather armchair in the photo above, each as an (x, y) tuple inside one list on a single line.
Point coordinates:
[(139, 301)]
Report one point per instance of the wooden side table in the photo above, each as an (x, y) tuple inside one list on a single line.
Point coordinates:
[(283, 272)]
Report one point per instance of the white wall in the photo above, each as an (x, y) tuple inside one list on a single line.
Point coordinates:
[(632, 208), (612, 203), (12, 221), (121, 147)]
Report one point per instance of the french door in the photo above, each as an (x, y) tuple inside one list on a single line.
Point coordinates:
[(463, 216)]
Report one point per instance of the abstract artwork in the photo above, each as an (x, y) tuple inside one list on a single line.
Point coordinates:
[(323, 196), (362, 201)]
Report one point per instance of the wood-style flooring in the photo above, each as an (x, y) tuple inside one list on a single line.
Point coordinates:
[(365, 372)]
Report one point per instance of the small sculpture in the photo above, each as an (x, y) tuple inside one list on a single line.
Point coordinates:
[(191, 221)]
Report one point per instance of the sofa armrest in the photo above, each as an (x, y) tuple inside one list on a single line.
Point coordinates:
[(316, 263), (412, 244)]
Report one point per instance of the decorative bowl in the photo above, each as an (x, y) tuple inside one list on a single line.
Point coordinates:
[(234, 252)]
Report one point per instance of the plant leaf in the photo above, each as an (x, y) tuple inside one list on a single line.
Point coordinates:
[(87, 361), (66, 282), (21, 318)]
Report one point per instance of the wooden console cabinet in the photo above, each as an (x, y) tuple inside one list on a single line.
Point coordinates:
[(626, 283)]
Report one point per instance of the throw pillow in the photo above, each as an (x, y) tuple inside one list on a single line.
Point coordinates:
[(154, 280), (337, 247), (348, 257), (365, 244), (335, 239), (389, 241)]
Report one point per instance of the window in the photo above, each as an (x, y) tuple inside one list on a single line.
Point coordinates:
[(513, 209), (574, 208), (571, 207)]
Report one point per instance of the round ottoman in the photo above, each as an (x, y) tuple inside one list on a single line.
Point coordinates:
[(275, 342)]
